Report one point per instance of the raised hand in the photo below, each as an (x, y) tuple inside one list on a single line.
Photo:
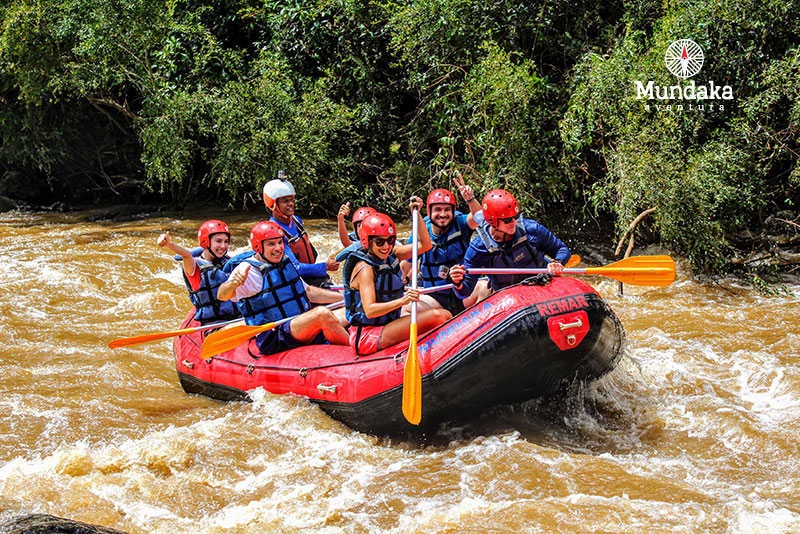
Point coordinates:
[(163, 240), (466, 190)]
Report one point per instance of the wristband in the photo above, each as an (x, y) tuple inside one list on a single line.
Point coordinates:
[(470, 200)]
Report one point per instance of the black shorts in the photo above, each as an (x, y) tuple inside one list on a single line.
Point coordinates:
[(448, 300), (280, 339)]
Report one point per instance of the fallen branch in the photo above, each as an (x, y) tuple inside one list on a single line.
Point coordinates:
[(632, 226)]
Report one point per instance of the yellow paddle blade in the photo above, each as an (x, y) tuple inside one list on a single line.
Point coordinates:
[(639, 270), (144, 338), (230, 338), (412, 382)]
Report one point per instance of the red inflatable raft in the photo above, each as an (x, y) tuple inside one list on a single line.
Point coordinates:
[(521, 343)]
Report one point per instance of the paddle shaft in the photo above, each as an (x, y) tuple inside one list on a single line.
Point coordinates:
[(412, 373), (146, 338), (636, 270)]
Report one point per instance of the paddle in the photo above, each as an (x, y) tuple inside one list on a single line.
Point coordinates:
[(230, 338), (412, 375), (144, 338), (636, 270)]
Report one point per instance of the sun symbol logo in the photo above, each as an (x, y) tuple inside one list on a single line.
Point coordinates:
[(684, 58)]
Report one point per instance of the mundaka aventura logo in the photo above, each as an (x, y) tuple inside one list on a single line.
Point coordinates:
[(684, 59)]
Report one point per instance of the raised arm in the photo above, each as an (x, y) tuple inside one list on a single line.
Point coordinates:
[(469, 197), (189, 265), (344, 236), (404, 252)]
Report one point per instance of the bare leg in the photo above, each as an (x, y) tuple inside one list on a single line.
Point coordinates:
[(426, 302), (480, 292), (341, 315), (305, 327), (399, 329), (237, 323)]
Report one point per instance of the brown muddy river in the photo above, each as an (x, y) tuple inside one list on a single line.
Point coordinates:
[(696, 430)]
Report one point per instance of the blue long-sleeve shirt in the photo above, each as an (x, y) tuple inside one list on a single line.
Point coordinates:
[(530, 243), (310, 270), (239, 258)]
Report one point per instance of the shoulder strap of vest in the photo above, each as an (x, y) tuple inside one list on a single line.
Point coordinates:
[(351, 262), (491, 248)]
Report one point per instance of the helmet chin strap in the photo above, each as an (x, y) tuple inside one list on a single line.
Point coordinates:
[(277, 210), (217, 259)]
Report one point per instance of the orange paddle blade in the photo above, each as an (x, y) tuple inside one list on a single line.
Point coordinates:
[(573, 261), (230, 338), (412, 382), (144, 338), (639, 270)]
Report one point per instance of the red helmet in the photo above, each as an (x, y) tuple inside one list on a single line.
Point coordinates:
[(376, 224), (361, 213), (440, 196), (264, 230), (209, 228), (499, 204)]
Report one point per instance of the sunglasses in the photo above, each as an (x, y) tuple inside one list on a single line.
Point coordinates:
[(507, 220), (380, 241)]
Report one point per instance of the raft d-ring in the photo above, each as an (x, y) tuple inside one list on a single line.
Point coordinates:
[(322, 388), (187, 363), (571, 340), (250, 369)]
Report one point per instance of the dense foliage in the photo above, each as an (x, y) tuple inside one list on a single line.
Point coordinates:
[(374, 100)]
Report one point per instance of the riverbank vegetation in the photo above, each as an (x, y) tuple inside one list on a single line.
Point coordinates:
[(370, 101)]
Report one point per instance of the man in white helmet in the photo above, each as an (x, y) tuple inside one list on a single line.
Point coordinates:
[(279, 198)]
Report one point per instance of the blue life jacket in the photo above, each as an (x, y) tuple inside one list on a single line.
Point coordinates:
[(353, 237), (282, 295), (448, 250), (232, 263), (388, 286), (208, 308), (517, 252), (344, 254)]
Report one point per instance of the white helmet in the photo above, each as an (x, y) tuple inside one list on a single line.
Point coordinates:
[(275, 189)]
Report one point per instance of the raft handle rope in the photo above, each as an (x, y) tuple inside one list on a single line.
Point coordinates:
[(303, 371), (541, 279)]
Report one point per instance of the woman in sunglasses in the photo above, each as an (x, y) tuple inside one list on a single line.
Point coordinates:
[(374, 291), (505, 239)]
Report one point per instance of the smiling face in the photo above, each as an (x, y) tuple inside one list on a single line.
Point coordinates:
[(441, 215), (381, 246), (273, 249), (218, 243), (285, 205)]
